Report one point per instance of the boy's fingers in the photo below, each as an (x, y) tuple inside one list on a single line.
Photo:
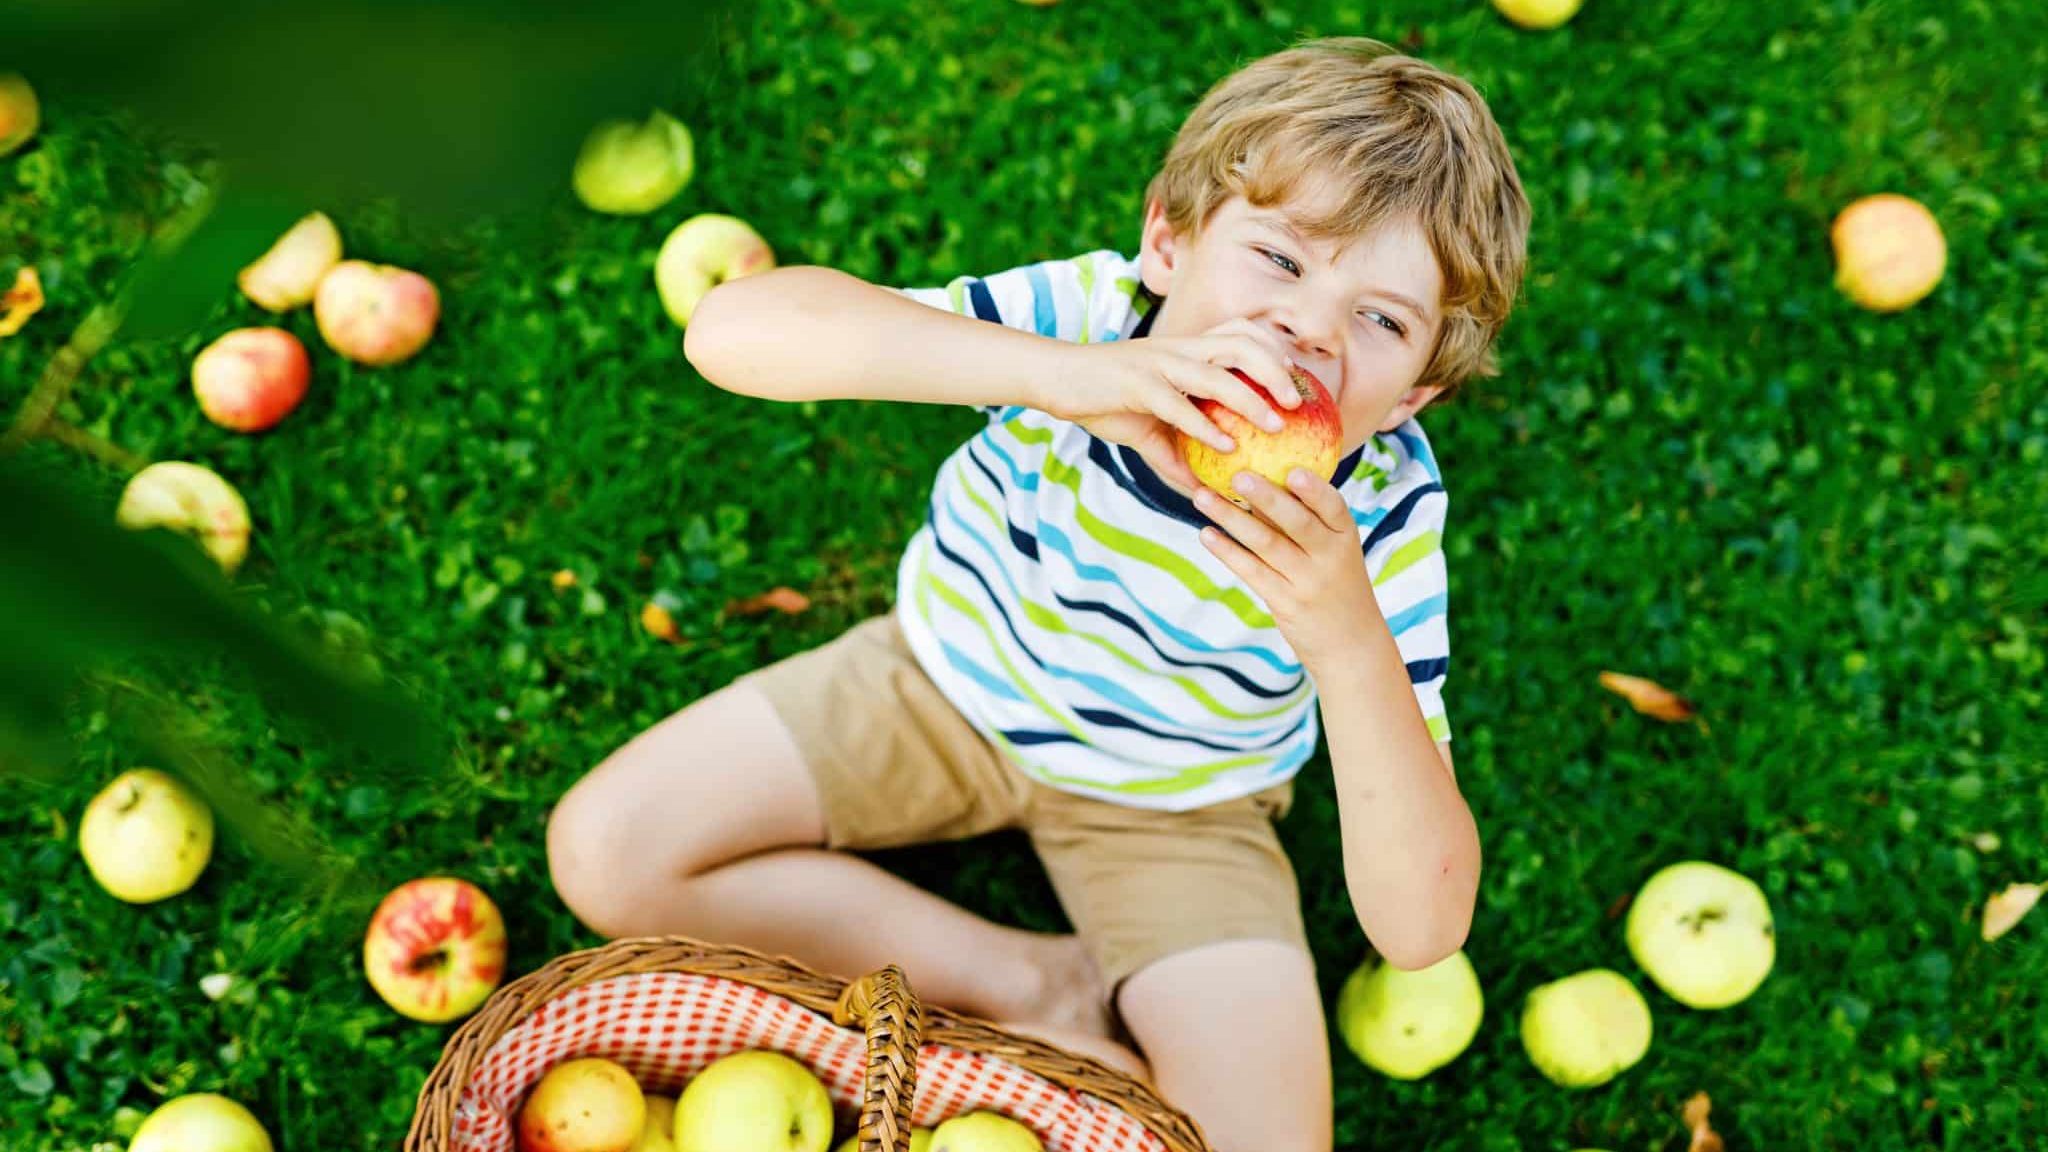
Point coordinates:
[(1322, 499), (1220, 385), (1176, 409)]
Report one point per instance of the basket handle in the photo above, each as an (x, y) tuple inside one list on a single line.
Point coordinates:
[(883, 1004)]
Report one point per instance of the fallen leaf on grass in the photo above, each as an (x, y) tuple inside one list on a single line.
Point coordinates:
[(1704, 1138), (1648, 697), (787, 601), (563, 580), (2006, 909), (659, 624), (21, 301)]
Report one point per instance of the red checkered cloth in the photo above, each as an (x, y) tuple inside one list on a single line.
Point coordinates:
[(664, 1027)]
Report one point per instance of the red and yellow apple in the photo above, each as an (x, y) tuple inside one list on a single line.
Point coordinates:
[(375, 314), (984, 1132), (20, 114), (586, 1105), (628, 168), (436, 949), (1538, 15), (1889, 252), (189, 499), (759, 1101), (251, 378), (1586, 1029), (1311, 437), (146, 837), (702, 253), (202, 1122), (287, 276)]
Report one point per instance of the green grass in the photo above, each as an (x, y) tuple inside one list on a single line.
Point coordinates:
[(1700, 464)]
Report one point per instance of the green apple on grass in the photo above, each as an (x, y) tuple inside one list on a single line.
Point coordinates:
[(628, 168), (984, 1132), (287, 275), (146, 837), (1538, 15), (1407, 1024), (1587, 1028), (1703, 933), (201, 1122), (702, 253), (754, 1102)]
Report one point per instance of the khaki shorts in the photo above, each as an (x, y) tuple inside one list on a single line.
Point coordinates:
[(896, 764)]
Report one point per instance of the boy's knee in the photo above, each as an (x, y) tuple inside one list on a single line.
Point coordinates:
[(589, 868)]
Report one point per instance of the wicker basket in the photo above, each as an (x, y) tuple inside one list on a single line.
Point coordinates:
[(666, 1006)]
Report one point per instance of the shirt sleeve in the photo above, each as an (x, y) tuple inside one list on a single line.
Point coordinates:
[(1404, 557), (1069, 299)]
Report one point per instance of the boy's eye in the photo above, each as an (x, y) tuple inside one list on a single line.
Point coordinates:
[(1282, 261), (1384, 321)]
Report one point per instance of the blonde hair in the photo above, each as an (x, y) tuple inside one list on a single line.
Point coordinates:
[(1403, 139)]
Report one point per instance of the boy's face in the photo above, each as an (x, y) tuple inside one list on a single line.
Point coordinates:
[(1364, 321)]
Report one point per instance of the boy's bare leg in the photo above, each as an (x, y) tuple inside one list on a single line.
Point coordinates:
[(708, 825)]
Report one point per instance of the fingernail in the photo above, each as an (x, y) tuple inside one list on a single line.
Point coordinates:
[(1242, 482), (1225, 444)]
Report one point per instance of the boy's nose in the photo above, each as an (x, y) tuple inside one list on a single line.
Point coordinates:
[(1305, 341)]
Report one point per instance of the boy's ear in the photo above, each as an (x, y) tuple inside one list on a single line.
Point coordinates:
[(1415, 400), (1157, 249)]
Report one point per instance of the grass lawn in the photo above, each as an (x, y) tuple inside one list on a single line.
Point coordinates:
[(1700, 464)]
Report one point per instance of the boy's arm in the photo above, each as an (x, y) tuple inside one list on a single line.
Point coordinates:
[(813, 333)]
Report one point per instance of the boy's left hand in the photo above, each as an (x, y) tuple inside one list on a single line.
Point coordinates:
[(1300, 553)]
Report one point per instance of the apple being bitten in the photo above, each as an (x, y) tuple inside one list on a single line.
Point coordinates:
[(436, 949), (251, 378), (754, 1102), (146, 837), (1311, 436), (288, 275), (201, 1122), (375, 314), (586, 1105), (192, 500), (702, 253)]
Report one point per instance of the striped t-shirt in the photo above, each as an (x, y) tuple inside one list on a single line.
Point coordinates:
[(1060, 598)]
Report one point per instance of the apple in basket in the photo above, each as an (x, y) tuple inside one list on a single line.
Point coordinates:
[(587, 1105), (754, 1102), (920, 1141), (984, 1132), (658, 1133), (436, 949)]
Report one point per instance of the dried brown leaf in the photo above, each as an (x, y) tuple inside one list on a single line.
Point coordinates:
[(785, 600), (1649, 697), (659, 624), (20, 302), (1704, 1138), (2006, 909)]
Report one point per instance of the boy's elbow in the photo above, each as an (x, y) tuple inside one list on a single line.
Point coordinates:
[(705, 337), (1422, 945)]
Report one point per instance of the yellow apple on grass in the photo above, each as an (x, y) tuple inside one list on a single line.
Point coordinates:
[(1586, 1029), (702, 253), (1889, 252), (435, 950), (146, 837), (375, 314), (201, 1122), (1703, 933), (629, 168), (251, 378), (658, 1132), (288, 275), (20, 114), (754, 1102), (920, 1141), (587, 1105), (192, 500), (984, 1132), (1311, 436), (1407, 1024), (1538, 15)]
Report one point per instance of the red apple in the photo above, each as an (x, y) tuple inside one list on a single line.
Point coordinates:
[(287, 275), (375, 314), (251, 378), (1311, 436), (436, 949)]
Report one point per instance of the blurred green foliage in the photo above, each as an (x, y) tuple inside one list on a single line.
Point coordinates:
[(1701, 465)]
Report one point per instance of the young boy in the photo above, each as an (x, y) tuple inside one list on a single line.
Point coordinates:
[(1089, 645)]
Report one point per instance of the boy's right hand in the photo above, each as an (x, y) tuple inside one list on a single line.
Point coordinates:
[(1135, 392)]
